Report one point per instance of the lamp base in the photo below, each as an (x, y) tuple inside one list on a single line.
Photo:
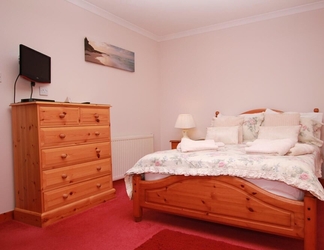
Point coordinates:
[(185, 133)]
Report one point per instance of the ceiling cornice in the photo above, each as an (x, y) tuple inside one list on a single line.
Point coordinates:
[(105, 14), (271, 15), (243, 21)]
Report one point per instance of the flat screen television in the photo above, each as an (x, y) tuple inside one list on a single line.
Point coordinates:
[(33, 65)]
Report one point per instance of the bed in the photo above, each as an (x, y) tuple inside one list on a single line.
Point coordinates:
[(220, 183)]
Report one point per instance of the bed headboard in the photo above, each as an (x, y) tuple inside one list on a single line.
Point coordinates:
[(253, 111)]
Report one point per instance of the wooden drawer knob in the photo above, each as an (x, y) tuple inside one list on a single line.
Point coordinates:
[(99, 168), (62, 115), (98, 152), (98, 185), (97, 133), (62, 136), (63, 156), (64, 176), (65, 196), (97, 117)]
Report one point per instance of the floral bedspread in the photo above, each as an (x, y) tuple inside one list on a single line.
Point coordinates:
[(299, 171)]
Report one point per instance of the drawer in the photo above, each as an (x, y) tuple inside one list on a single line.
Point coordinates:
[(65, 156), (68, 175), (66, 195), (57, 116), (73, 135), (94, 116)]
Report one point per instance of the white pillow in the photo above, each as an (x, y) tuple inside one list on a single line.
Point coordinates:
[(310, 131), (301, 149), (229, 121), (279, 132), (227, 135), (266, 146), (270, 111), (314, 116), (306, 131), (281, 119), (251, 126), (317, 122)]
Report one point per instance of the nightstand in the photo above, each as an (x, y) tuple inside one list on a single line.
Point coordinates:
[(174, 143)]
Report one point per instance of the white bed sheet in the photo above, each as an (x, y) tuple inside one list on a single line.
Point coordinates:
[(300, 172)]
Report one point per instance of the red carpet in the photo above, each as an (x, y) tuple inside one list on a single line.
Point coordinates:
[(111, 226), (173, 240)]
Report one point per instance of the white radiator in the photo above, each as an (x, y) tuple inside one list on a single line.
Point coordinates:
[(126, 151)]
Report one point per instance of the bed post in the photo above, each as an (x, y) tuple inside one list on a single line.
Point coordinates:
[(310, 230), (137, 210)]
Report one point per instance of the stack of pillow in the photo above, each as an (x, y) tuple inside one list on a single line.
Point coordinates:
[(304, 127)]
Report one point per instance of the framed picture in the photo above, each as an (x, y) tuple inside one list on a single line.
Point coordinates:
[(109, 55)]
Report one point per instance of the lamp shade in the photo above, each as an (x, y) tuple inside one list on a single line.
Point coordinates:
[(185, 121)]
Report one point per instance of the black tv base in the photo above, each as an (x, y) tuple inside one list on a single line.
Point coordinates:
[(36, 100)]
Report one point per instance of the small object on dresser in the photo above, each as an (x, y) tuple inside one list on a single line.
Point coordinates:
[(67, 99)]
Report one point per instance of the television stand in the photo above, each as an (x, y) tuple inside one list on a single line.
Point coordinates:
[(36, 100)]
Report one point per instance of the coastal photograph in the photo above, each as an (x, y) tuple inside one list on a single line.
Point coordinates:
[(109, 55)]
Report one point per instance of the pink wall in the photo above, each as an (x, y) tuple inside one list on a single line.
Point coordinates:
[(58, 28), (277, 63)]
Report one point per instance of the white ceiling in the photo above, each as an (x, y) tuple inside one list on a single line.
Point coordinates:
[(168, 19)]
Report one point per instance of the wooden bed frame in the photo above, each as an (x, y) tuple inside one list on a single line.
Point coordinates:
[(229, 200)]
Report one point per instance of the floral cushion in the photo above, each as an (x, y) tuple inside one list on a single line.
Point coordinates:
[(251, 126), (310, 131)]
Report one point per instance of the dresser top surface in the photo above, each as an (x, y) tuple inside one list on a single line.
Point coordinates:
[(60, 104)]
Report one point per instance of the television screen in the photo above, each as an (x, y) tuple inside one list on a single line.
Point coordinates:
[(34, 66)]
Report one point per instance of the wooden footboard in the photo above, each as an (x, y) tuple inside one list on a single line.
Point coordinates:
[(228, 200)]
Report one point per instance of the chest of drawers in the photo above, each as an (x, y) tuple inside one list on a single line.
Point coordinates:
[(62, 160)]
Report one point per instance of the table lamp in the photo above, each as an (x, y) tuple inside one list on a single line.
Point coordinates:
[(185, 122)]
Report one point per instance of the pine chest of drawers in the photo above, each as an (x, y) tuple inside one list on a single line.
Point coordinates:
[(62, 160)]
